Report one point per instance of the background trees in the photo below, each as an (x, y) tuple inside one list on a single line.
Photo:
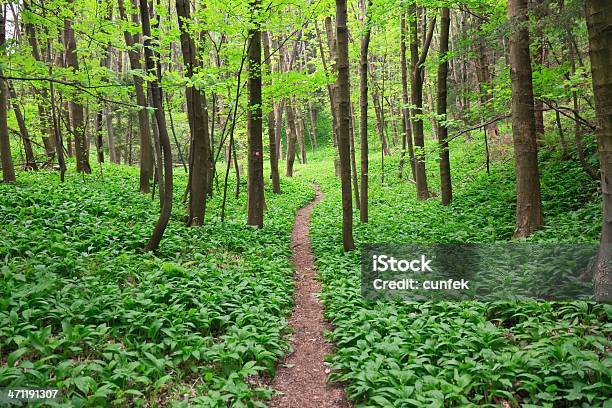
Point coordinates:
[(71, 65)]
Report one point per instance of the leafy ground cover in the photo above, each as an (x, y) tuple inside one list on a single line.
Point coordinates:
[(432, 354), (82, 310)]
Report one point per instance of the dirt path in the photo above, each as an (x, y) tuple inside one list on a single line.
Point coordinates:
[(301, 376)]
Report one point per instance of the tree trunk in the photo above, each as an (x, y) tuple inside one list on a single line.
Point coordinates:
[(363, 115), (199, 161), (416, 93), (30, 160), (599, 23), (312, 110), (446, 188), (162, 145), (344, 100), (46, 121), (271, 123), (8, 170), (75, 107), (354, 174), (406, 128), (291, 138), (528, 201), (144, 126), (278, 129), (300, 130), (108, 117), (255, 195)]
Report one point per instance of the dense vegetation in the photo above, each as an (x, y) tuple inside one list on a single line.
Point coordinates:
[(154, 154), (458, 354), (82, 309)]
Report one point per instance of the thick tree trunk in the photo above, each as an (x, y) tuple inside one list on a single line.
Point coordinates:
[(76, 109), (406, 128), (162, 145), (599, 23), (144, 125), (363, 115), (445, 173), (528, 202), (255, 180), (199, 161), (344, 100), (271, 124)]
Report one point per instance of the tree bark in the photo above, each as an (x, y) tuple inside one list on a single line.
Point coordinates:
[(290, 132), (344, 100), (75, 107), (144, 125), (8, 170), (271, 123), (199, 161), (255, 180), (416, 93), (406, 128), (528, 201), (46, 121), (599, 24), (446, 188), (363, 116), (354, 174), (30, 160), (162, 145)]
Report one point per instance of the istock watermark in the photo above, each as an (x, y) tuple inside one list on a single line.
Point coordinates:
[(501, 271)]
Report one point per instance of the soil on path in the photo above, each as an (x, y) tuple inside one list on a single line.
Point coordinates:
[(301, 375)]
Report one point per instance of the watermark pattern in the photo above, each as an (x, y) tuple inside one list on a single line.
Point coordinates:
[(500, 271)]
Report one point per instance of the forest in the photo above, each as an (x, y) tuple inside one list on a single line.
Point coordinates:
[(190, 189)]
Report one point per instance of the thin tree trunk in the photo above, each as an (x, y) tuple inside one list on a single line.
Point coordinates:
[(45, 119), (30, 160), (445, 173), (8, 170), (528, 202), (162, 145), (271, 123), (561, 133), (75, 107), (291, 138), (353, 161), (312, 110), (406, 128), (344, 100), (144, 124), (363, 116), (416, 92)]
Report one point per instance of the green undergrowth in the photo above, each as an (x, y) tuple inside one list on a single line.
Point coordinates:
[(83, 310), (442, 354)]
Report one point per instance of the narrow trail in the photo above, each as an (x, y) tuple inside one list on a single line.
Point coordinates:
[(301, 376)]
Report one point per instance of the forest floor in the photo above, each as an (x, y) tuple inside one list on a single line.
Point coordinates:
[(301, 379)]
